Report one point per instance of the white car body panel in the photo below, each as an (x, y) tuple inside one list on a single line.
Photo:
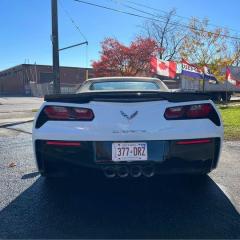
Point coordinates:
[(139, 121), (110, 125)]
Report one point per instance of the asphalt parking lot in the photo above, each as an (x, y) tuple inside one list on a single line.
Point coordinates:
[(162, 207)]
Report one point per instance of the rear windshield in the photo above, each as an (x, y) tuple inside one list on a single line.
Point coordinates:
[(123, 85)]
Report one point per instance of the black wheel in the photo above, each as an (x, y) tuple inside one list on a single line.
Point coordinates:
[(216, 97), (226, 97), (197, 179), (49, 171)]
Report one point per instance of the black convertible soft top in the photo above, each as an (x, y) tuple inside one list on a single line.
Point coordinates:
[(126, 96)]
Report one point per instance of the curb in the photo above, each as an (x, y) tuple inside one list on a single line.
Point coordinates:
[(14, 123)]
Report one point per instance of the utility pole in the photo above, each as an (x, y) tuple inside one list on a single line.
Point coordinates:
[(55, 49)]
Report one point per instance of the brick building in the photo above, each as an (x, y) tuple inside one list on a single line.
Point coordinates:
[(16, 80)]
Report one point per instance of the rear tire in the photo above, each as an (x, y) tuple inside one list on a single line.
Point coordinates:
[(51, 172), (198, 179), (216, 97), (226, 97), (52, 175)]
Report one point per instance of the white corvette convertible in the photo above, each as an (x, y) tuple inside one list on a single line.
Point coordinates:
[(126, 126)]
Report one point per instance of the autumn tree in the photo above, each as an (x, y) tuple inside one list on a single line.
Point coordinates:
[(204, 47), (236, 52), (168, 34), (117, 59)]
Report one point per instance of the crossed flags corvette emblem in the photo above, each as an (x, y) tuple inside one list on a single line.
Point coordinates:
[(129, 117)]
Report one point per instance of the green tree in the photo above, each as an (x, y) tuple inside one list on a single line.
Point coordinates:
[(204, 47)]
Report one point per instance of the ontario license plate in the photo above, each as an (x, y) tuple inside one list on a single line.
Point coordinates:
[(129, 151)]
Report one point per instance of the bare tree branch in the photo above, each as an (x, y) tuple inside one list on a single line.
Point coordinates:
[(168, 36)]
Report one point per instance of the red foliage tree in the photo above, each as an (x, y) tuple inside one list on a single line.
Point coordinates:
[(119, 60)]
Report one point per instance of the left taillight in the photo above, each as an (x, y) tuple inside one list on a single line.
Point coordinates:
[(62, 113), (195, 111), (56, 112)]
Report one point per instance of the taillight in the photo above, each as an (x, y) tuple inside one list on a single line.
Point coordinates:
[(195, 111), (83, 113), (199, 110), (68, 113), (174, 112), (56, 112), (62, 113)]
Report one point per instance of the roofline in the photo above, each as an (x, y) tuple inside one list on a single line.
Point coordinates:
[(121, 78), (41, 65), (10, 68)]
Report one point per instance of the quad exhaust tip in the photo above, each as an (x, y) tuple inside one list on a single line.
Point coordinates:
[(122, 171), (148, 171), (134, 171), (109, 172)]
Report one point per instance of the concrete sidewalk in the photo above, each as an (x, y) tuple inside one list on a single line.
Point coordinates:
[(15, 110), (14, 121)]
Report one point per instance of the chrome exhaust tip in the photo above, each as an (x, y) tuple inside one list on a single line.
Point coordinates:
[(148, 171), (122, 171), (135, 171), (109, 172)]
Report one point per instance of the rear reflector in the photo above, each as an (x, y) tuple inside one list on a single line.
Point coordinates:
[(63, 143), (195, 141)]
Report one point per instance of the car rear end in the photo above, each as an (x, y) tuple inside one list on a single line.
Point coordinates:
[(128, 134)]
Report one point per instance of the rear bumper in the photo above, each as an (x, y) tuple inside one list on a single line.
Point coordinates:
[(171, 156)]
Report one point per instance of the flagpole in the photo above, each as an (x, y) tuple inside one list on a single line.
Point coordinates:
[(203, 83), (226, 82)]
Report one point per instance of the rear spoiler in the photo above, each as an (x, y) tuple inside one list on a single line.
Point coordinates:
[(133, 96)]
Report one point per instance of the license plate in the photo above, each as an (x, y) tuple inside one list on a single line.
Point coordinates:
[(129, 151)]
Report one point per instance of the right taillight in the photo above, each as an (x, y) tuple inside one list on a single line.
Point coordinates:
[(199, 110), (62, 113), (195, 111)]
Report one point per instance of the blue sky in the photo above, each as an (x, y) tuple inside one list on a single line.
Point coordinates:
[(25, 27)]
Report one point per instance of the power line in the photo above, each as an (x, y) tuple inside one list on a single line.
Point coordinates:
[(152, 19), (137, 9), (144, 12), (80, 32), (73, 21), (183, 17), (159, 16)]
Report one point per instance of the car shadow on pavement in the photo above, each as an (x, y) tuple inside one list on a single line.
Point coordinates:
[(30, 175), (161, 207)]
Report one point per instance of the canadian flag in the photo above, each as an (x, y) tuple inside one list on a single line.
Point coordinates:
[(163, 68), (229, 77)]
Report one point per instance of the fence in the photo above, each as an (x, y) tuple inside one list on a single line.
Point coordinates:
[(42, 89)]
